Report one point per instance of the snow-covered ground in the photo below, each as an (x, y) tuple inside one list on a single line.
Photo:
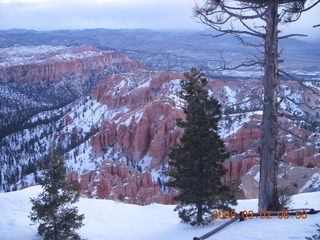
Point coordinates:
[(110, 220)]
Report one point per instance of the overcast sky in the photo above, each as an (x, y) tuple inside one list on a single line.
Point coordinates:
[(80, 14)]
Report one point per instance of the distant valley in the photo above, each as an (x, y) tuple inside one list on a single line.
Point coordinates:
[(176, 50), (110, 99)]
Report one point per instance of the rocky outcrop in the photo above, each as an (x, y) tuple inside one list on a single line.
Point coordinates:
[(292, 178), (148, 125), (146, 130), (117, 139), (53, 64), (119, 182)]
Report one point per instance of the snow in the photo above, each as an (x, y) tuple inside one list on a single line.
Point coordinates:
[(107, 219), (146, 84), (22, 55), (91, 113), (176, 85), (80, 159), (145, 162), (250, 73), (178, 102), (231, 95), (87, 115), (314, 182), (136, 117), (227, 128), (257, 177), (210, 93), (295, 95)]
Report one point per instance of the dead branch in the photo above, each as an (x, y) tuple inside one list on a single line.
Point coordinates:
[(300, 81), (292, 35), (250, 146), (239, 158), (304, 140), (249, 125)]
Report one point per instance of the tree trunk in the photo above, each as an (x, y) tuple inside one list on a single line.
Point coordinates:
[(199, 212), (268, 197)]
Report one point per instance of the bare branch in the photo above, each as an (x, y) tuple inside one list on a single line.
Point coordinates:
[(292, 35), (249, 28), (304, 103), (300, 81), (219, 10), (258, 97), (298, 118), (241, 65), (249, 125), (305, 9), (227, 9), (304, 140), (250, 146), (239, 158), (215, 25)]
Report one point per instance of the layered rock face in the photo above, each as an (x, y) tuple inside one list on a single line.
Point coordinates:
[(117, 139), (292, 179), (49, 63), (37, 78), (148, 123), (119, 182), (140, 121)]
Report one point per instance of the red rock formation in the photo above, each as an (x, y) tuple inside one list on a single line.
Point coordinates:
[(54, 65), (140, 120), (119, 182), (147, 129)]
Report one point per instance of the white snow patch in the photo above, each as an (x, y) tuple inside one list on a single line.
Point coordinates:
[(176, 86), (155, 221), (23, 55), (231, 95), (210, 93), (314, 182), (145, 85), (145, 162), (227, 128), (89, 114)]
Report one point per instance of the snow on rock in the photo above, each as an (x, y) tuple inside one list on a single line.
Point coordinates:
[(23, 55), (231, 94), (312, 184), (107, 219), (233, 125), (290, 177), (117, 181), (30, 64), (130, 118), (144, 133)]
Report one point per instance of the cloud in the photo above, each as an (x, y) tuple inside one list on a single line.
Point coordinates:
[(23, 1), (59, 14), (79, 14)]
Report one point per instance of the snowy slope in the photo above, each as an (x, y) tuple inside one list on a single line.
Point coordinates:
[(109, 220)]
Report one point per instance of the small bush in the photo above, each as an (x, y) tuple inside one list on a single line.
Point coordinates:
[(285, 198), (310, 165), (315, 236)]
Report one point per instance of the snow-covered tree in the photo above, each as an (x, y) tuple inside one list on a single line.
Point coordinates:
[(53, 209)]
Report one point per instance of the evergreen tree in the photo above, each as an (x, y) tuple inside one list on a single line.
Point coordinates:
[(197, 164), (52, 208), (315, 236)]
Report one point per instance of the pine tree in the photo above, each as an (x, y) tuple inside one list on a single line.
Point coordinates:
[(315, 236), (197, 164), (52, 208)]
